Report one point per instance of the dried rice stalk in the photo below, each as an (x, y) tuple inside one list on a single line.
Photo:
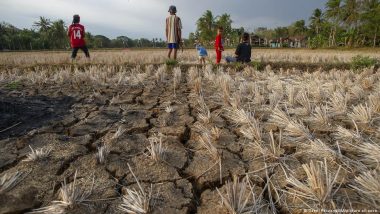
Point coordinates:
[(368, 186), (10, 180), (319, 189), (280, 118), (38, 154), (240, 198), (320, 119), (338, 104), (204, 113), (361, 114), (137, 201), (297, 132), (101, 155), (156, 150), (70, 195)]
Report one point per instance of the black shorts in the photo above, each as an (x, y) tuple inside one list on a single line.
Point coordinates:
[(75, 51)]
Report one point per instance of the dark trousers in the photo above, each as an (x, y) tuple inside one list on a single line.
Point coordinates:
[(84, 49)]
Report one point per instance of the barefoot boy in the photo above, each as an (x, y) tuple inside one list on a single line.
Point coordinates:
[(202, 53), (219, 45), (173, 31), (76, 33)]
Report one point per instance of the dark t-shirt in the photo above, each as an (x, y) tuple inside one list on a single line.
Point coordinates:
[(243, 52)]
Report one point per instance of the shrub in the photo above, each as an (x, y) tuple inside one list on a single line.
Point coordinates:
[(258, 65), (171, 62), (359, 62), (15, 85)]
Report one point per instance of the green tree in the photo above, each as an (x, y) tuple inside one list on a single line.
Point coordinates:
[(371, 19), (206, 26), (300, 28), (43, 25), (351, 17), (316, 20), (333, 13), (225, 21), (58, 31)]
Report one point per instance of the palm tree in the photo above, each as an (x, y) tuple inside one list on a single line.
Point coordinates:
[(206, 25), (58, 32), (316, 20), (43, 24), (300, 28), (371, 18), (351, 17), (224, 21), (334, 13)]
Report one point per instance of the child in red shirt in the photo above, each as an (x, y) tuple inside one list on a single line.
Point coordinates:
[(219, 45), (76, 33)]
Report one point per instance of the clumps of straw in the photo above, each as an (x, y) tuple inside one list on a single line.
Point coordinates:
[(342, 133), (239, 197), (250, 126), (161, 74), (368, 185), (320, 119), (38, 154), (319, 188), (119, 132), (70, 195), (177, 74), (156, 149), (169, 109), (10, 180), (338, 104), (206, 142), (137, 201), (361, 114), (204, 113), (101, 155)]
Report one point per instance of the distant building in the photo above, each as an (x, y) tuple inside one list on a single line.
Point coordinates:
[(288, 42)]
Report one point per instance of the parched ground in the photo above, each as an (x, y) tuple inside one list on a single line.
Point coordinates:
[(74, 110)]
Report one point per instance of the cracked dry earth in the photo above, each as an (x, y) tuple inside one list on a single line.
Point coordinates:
[(77, 109), (75, 117)]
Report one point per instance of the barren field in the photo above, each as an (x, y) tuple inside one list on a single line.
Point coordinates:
[(126, 133)]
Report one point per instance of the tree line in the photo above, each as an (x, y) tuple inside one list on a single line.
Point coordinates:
[(47, 35), (349, 23)]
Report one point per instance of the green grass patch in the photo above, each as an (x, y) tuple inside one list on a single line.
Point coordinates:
[(360, 62), (258, 65), (15, 85), (171, 62)]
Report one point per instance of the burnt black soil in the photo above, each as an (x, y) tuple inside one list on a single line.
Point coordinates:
[(19, 115)]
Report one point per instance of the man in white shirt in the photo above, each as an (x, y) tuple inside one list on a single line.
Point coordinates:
[(173, 31)]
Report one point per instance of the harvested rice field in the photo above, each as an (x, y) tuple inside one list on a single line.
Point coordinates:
[(126, 133)]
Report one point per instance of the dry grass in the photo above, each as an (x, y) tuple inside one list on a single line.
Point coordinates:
[(137, 201), (38, 154), (101, 155), (297, 132), (368, 186), (318, 191), (156, 149), (70, 195), (239, 197), (204, 113), (10, 180), (177, 75), (361, 114)]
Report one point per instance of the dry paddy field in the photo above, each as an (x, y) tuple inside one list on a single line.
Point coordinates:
[(126, 133)]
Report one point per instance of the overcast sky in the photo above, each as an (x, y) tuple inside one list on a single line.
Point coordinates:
[(145, 18)]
